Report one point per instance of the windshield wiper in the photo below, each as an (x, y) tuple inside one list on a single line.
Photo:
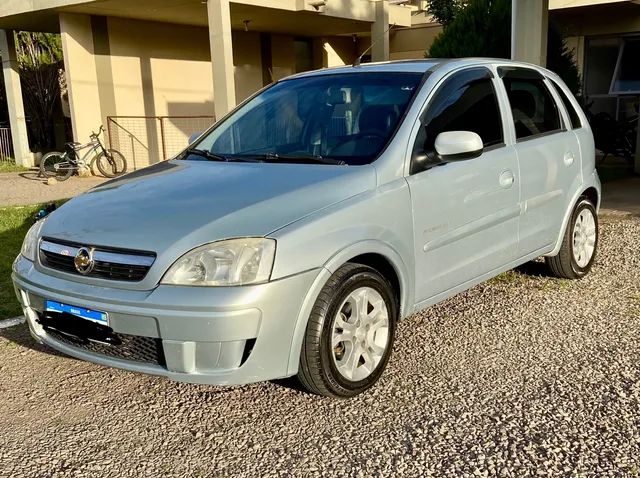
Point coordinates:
[(205, 154), (219, 157), (310, 158)]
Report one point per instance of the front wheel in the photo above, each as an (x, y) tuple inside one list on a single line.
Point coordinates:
[(112, 163), (579, 245), (350, 333), (56, 165)]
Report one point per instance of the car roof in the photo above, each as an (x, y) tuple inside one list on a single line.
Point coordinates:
[(416, 66)]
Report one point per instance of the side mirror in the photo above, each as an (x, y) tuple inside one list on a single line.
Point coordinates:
[(458, 146), (194, 136)]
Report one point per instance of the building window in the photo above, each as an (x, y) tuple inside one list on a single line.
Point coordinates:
[(626, 78)]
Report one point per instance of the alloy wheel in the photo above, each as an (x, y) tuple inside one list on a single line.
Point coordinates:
[(360, 334)]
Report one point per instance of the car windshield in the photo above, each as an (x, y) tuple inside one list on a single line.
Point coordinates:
[(334, 119)]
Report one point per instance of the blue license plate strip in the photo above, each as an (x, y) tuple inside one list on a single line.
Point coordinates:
[(87, 314)]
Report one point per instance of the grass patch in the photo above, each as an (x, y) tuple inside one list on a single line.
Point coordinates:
[(14, 224), (11, 167), (508, 277)]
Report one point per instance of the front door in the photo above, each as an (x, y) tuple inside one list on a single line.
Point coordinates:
[(465, 213)]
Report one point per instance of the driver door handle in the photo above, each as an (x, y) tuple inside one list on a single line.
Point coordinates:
[(507, 179)]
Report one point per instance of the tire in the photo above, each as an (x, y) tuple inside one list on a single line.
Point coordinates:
[(340, 369), (49, 162), (574, 260), (111, 164)]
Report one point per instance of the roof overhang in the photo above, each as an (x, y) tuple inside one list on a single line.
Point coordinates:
[(297, 17), (562, 4)]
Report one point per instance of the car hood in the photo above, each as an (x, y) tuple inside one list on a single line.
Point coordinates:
[(174, 206)]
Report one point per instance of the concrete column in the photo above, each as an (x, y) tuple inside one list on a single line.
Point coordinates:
[(11, 73), (380, 32), (76, 36), (529, 25), (221, 46)]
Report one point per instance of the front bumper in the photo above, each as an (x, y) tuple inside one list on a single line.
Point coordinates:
[(206, 332)]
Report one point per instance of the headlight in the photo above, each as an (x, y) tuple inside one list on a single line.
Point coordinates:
[(241, 261), (30, 243)]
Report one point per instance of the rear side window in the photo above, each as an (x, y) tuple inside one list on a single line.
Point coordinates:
[(465, 102), (573, 114), (534, 111)]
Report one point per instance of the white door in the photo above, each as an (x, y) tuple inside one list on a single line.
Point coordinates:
[(465, 213)]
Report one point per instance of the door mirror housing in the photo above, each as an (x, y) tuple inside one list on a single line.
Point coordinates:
[(458, 146), (194, 136)]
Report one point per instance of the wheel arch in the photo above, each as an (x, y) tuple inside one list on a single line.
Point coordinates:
[(375, 254), (593, 194)]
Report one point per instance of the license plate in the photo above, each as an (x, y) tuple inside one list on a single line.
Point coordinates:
[(87, 314)]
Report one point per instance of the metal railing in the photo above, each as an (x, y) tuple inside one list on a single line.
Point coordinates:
[(6, 146), (145, 140)]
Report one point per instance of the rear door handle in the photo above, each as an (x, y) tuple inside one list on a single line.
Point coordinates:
[(507, 179), (568, 158)]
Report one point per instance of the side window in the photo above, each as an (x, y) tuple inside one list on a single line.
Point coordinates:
[(573, 114), (465, 102), (533, 108)]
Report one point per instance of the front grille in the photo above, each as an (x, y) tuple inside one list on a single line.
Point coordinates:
[(132, 347), (113, 264)]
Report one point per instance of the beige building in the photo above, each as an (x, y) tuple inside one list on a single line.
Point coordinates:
[(155, 71)]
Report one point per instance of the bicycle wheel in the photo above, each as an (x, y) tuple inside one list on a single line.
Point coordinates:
[(56, 165), (111, 164)]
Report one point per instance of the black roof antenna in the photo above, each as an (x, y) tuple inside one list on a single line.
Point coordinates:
[(373, 43)]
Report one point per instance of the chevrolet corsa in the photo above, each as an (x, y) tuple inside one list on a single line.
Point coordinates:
[(291, 237)]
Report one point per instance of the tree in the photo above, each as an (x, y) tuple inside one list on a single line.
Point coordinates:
[(40, 61), (444, 11), (483, 28)]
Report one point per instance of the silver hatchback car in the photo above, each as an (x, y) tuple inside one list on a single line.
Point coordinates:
[(292, 236)]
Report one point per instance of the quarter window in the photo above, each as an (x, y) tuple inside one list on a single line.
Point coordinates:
[(534, 111), (465, 102), (573, 114)]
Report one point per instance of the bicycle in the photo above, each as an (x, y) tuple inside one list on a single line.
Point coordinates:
[(613, 137), (110, 162)]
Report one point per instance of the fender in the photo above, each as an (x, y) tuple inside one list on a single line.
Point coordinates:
[(592, 181), (332, 265)]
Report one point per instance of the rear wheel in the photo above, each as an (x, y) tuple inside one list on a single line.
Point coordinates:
[(112, 163), (579, 245), (350, 333), (56, 165)]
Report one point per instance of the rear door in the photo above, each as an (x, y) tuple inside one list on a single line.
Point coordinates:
[(465, 213), (548, 157)]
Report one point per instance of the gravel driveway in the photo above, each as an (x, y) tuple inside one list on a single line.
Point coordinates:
[(522, 376)]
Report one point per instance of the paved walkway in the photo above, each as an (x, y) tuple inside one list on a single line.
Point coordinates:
[(621, 197), (18, 189)]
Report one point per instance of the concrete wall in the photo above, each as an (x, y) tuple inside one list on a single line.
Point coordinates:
[(80, 69), (338, 51), (412, 43), (159, 69), (282, 56)]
